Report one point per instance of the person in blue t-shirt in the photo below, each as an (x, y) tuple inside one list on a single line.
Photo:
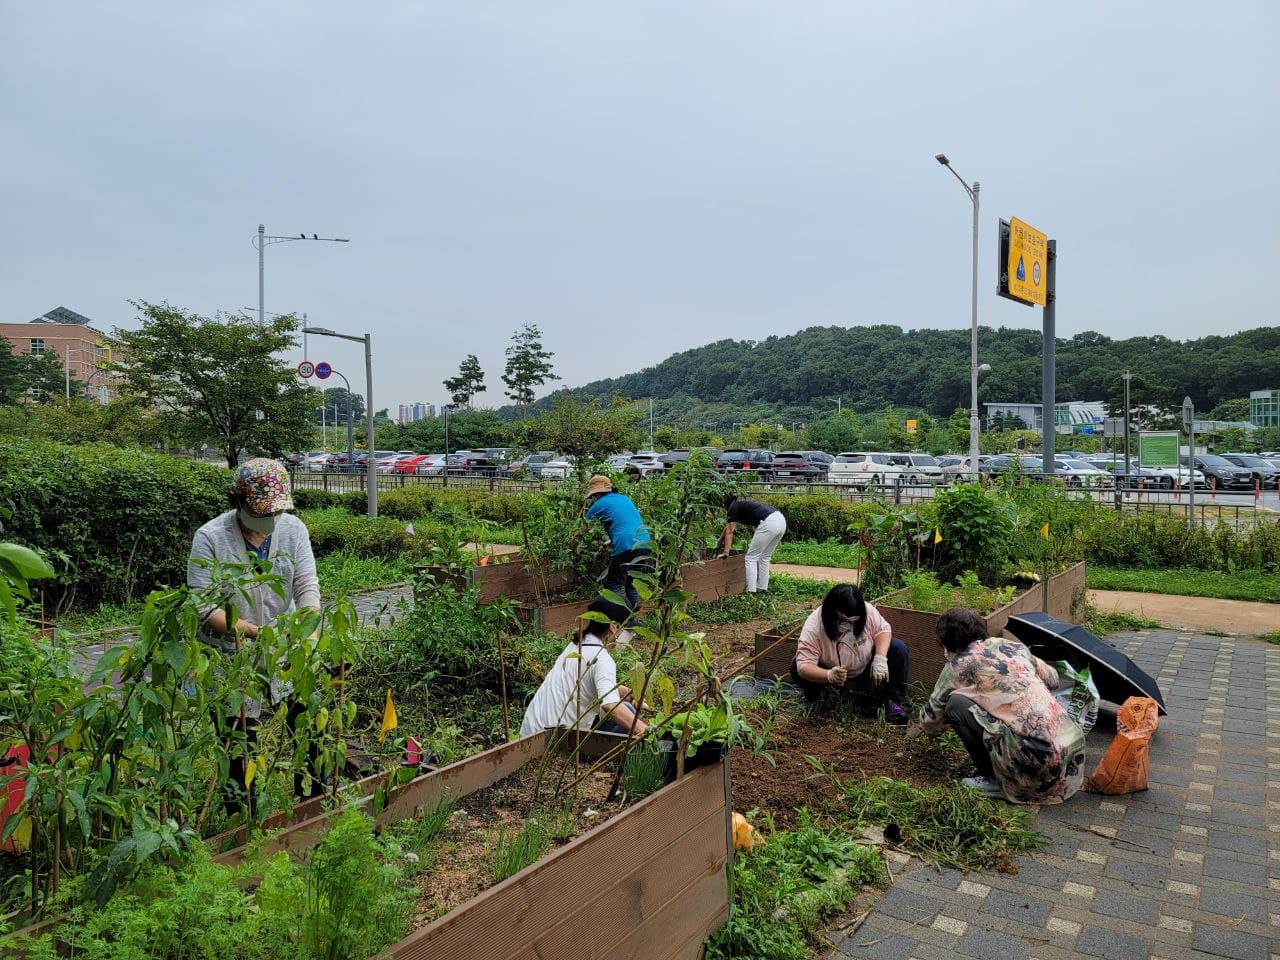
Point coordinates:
[(628, 543)]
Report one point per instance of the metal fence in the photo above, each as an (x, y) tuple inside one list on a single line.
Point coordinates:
[(1210, 505)]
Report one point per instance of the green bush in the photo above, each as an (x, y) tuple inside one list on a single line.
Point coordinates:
[(820, 517), (335, 529), (976, 526), (409, 503), (310, 498), (117, 522)]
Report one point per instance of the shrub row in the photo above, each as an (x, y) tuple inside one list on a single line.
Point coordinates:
[(337, 529), (114, 522), (818, 517), (1151, 541)]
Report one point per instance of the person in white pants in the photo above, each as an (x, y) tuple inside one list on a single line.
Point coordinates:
[(770, 526)]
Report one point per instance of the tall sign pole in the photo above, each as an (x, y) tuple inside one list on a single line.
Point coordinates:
[(1189, 420), (1028, 273), (1049, 385)]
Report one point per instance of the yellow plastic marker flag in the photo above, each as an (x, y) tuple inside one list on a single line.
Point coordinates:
[(1044, 531), (389, 721), (937, 534)]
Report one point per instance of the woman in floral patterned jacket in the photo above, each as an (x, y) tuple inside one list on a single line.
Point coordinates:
[(998, 697)]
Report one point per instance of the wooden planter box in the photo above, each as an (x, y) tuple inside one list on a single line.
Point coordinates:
[(504, 577), (665, 861), (916, 628), (708, 580)]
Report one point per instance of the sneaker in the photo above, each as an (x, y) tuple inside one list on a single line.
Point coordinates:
[(895, 713), (984, 785)]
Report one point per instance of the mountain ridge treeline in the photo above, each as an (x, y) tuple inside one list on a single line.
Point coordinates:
[(871, 367)]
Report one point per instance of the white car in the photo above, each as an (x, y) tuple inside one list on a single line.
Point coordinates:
[(863, 469), (1080, 473), (387, 462), (917, 468), (644, 463), (319, 462), (618, 461), (557, 469)]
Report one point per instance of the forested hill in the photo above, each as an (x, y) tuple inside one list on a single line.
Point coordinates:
[(871, 367)]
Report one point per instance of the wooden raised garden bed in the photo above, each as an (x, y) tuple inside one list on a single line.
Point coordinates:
[(916, 627), (649, 882), (707, 580)]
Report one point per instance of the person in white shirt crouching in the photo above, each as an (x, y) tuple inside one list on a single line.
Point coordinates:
[(582, 689)]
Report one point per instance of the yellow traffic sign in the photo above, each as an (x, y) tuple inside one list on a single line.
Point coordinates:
[(912, 425), (1028, 262)]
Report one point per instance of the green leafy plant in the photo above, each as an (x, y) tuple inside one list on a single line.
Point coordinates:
[(643, 772), (976, 526), (784, 892), (513, 852)]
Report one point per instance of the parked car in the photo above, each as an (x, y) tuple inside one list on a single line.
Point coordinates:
[(1222, 473), (1083, 474), (794, 466), (682, 454), (955, 467), (530, 464), (732, 461), (917, 468), (422, 465), (862, 469), (1165, 478), (645, 462), (557, 469), (1264, 472), (1007, 464), (618, 462), (319, 462), (388, 463)]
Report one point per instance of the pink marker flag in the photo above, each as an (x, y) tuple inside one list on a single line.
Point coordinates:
[(409, 529)]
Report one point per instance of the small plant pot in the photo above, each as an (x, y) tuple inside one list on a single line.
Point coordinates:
[(703, 755)]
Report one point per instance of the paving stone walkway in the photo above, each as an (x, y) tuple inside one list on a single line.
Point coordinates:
[(1187, 870)]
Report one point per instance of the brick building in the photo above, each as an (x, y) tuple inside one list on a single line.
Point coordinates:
[(80, 347)]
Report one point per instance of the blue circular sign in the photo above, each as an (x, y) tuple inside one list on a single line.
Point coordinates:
[(323, 370)]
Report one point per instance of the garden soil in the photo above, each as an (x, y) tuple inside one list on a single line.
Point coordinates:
[(852, 749), (461, 858)]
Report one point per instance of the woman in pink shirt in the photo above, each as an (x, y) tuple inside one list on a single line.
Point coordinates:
[(847, 648)]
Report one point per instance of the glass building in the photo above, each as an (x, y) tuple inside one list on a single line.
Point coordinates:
[(1264, 408)]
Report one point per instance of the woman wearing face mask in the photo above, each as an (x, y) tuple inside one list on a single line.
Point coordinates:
[(256, 528), (846, 648)]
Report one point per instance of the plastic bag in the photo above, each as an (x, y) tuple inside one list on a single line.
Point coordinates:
[(1123, 768), (1078, 694)]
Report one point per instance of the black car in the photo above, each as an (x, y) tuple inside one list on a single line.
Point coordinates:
[(1262, 470), (1221, 473), (758, 461)]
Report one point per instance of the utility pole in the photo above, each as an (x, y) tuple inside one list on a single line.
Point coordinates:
[(651, 423), (262, 276), (1048, 374), (1126, 376), (1189, 420)]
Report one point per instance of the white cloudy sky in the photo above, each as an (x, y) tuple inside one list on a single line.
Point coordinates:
[(637, 178)]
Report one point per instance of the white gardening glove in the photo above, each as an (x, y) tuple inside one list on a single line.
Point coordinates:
[(880, 668), (836, 676)]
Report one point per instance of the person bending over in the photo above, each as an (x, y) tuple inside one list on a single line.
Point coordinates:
[(998, 697)]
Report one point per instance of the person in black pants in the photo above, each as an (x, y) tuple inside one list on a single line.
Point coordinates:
[(629, 549)]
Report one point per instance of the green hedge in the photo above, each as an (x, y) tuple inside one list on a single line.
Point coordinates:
[(1153, 540), (337, 529), (309, 498), (410, 503), (818, 517), (115, 522)]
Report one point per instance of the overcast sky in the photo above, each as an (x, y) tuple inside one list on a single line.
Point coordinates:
[(636, 178)]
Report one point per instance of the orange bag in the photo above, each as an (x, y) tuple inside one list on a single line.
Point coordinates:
[(1123, 768)]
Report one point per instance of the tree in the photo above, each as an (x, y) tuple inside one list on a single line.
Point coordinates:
[(837, 433), (528, 365), (33, 377), (1233, 439), (217, 380), (125, 423), (1234, 410), (337, 398), (585, 430), (469, 381)]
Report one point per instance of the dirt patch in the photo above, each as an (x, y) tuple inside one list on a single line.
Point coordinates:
[(461, 858), (852, 748), (1194, 613)]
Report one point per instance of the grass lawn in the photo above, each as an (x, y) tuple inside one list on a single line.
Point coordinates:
[(827, 553), (1241, 585)]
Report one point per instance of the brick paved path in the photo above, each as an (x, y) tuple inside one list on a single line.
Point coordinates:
[(1187, 870)]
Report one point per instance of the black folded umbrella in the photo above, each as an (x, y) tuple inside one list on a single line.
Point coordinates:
[(1116, 676)]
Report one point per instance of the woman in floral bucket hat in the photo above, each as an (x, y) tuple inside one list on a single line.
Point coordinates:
[(256, 527)]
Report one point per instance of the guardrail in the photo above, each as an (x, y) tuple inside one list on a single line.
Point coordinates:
[(1211, 504)]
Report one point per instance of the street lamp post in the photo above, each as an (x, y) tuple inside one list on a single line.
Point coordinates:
[(972, 191), (351, 443), (1189, 420), (261, 241), (839, 402), (371, 473), (1126, 377)]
